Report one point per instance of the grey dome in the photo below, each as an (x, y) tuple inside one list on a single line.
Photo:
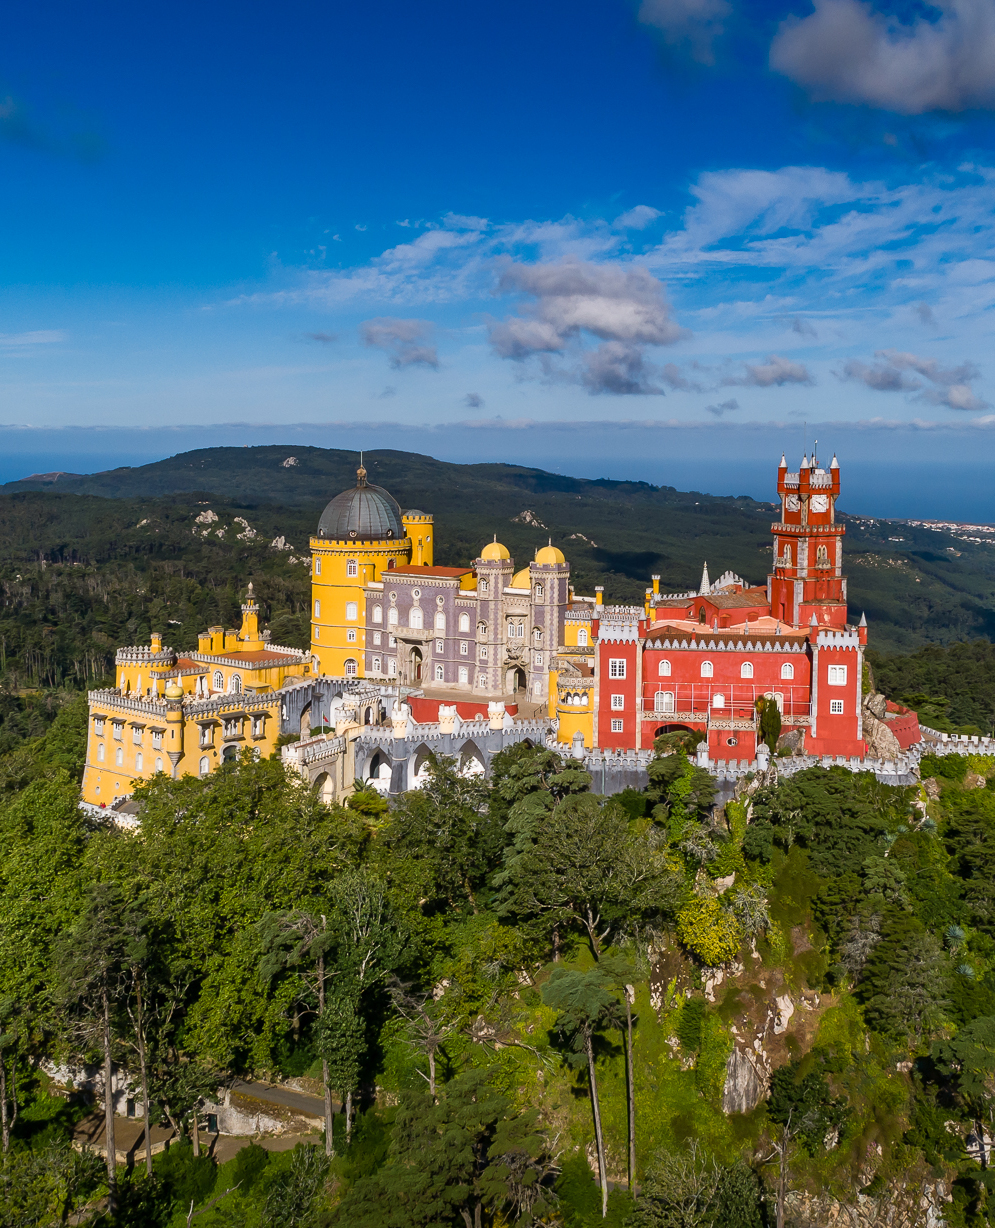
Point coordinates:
[(364, 513)]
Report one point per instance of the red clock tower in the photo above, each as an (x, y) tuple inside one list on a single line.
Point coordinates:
[(807, 581)]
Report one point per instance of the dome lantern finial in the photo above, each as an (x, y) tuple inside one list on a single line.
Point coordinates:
[(361, 472)]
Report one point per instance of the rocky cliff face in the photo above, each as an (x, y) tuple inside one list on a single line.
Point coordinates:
[(881, 742)]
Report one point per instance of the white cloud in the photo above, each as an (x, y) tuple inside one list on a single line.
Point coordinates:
[(776, 371), (690, 24), (636, 219), (847, 52), (405, 340)]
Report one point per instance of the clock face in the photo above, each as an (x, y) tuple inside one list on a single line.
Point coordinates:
[(819, 503), (791, 503)]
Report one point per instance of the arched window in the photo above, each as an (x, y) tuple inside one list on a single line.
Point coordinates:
[(139, 762), (746, 669), (787, 670), (440, 621), (378, 613), (158, 765), (375, 665), (100, 753), (391, 667), (822, 557), (701, 614), (583, 700), (317, 567), (718, 701), (352, 568), (351, 611), (482, 586), (317, 609), (707, 669), (664, 670), (219, 680), (482, 630), (464, 622), (392, 616), (787, 554), (582, 638), (415, 619), (440, 674), (236, 684), (351, 669), (119, 756), (663, 701), (537, 635), (539, 592), (205, 765)]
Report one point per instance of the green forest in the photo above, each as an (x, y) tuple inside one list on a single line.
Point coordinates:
[(508, 985)]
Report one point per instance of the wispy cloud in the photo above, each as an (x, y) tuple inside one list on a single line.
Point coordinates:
[(723, 407), (775, 372), (323, 338), (43, 336), (692, 25), (896, 371), (846, 51), (406, 341), (473, 400)]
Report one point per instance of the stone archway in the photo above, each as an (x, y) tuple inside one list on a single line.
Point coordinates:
[(415, 666), (516, 681)]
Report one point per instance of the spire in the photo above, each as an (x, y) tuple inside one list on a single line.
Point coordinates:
[(360, 472), (784, 462), (814, 622), (834, 464), (863, 620), (804, 464), (705, 584)]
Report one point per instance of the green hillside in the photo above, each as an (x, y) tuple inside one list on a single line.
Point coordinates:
[(89, 562)]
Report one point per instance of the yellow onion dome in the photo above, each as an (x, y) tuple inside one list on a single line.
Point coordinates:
[(550, 554), (521, 579), (495, 551), (173, 689)]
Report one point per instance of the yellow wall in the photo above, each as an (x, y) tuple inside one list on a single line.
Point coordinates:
[(571, 629), (420, 533), (332, 588)]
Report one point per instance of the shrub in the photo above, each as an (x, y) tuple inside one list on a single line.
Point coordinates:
[(709, 932)]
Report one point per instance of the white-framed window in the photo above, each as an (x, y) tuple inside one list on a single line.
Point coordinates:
[(391, 641), (118, 730), (463, 675), (707, 669), (392, 616), (482, 586), (836, 707), (351, 611), (317, 567), (718, 700), (537, 635), (352, 568), (746, 669), (663, 701), (351, 668), (205, 765), (440, 647), (516, 631), (416, 619), (464, 622), (350, 635), (139, 762), (582, 637), (206, 735), (257, 726), (98, 726), (119, 756), (375, 665), (837, 675), (664, 669), (392, 667), (317, 633), (101, 753), (538, 658), (616, 668), (378, 614), (219, 680), (483, 652), (157, 739), (616, 726), (537, 687), (317, 609), (440, 620), (236, 684), (539, 592), (158, 765), (787, 670), (481, 680), (377, 638), (440, 673), (618, 703), (464, 648), (136, 734)]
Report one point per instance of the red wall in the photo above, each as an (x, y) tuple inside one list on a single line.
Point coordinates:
[(626, 650)]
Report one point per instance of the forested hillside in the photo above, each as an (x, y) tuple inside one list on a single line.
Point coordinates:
[(770, 1008)]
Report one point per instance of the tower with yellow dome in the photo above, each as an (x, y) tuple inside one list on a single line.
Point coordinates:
[(362, 535)]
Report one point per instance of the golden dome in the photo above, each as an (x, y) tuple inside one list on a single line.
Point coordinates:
[(494, 550), (173, 689), (550, 554), (521, 579)]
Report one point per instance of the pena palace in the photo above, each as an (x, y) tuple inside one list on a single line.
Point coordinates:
[(399, 645)]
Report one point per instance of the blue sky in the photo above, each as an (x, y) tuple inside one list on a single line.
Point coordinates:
[(705, 213)]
